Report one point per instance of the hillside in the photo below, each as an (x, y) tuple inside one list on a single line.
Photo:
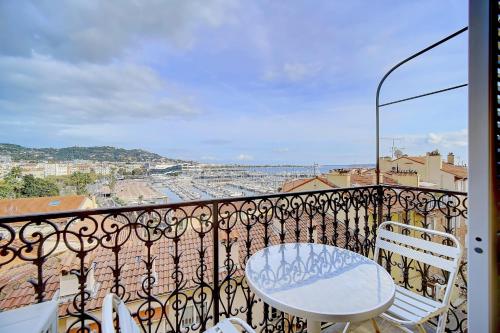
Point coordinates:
[(104, 153)]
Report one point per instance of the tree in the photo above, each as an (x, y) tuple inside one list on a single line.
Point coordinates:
[(6, 190), (14, 173), (112, 180), (15, 185), (13, 182), (139, 171), (80, 181), (37, 187)]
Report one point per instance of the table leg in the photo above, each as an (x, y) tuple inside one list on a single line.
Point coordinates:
[(375, 326), (313, 326)]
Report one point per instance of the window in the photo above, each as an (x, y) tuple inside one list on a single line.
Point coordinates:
[(190, 316)]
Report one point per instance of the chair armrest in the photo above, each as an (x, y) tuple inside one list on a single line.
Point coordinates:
[(109, 303), (242, 323)]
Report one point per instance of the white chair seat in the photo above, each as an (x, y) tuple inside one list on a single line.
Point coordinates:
[(411, 308)]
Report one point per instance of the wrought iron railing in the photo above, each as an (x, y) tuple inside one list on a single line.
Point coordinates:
[(163, 259)]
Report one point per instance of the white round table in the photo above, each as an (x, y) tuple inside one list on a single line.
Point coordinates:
[(321, 283)]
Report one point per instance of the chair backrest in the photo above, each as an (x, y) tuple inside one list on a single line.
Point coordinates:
[(443, 256), (125, 320)]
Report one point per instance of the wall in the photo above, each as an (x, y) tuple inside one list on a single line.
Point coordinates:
[(339, 179)]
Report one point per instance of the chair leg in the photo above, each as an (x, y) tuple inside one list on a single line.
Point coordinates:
[(441, 323), (375, 326), (421, 328), (346, 328)]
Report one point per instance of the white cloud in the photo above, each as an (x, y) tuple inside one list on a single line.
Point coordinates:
[(62, 92), (244, 157), (99, 31), (206, 48), (65, 67), (456, 139), (417, 144), (281, 150)]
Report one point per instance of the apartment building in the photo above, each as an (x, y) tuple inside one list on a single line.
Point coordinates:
[(47, 169), (432, 170), (345, 178)]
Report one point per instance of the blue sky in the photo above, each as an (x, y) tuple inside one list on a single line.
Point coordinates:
[(232, 81)]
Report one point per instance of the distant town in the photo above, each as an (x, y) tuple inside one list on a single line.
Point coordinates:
[(113, 177)]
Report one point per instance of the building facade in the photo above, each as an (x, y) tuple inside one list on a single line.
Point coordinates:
[(431, 169)]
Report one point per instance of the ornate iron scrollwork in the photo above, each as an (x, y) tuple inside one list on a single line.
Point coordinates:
[(160, 259)]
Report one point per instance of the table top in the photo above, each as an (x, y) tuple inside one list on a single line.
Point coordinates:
[(320, 282)]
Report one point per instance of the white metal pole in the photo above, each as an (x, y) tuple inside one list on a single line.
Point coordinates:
[(480, 229)]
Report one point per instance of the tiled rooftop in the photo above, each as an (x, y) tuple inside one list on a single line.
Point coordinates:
[(18, 292)]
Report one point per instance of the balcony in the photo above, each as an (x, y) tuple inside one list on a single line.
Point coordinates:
[(180, 267)]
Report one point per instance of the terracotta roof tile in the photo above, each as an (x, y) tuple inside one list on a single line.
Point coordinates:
[(25, 206), (296, 183), (292, 184), (387, 179), (19, 293), (456, 170), (418, 159), (362, 179)]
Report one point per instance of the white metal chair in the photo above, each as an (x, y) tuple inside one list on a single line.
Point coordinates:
[(409, 308), (226, 326), (127, 323)]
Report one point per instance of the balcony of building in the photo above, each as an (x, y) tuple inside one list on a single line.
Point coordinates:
[(180, 267)]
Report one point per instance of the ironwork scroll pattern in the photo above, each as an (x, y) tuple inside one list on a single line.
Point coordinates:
[(431, 209), (176, 235)]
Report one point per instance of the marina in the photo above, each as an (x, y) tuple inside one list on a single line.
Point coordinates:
[(201, 182), (227, 181)]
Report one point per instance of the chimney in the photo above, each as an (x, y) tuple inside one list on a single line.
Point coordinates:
[(451, 158), (339, 177), (434, 160), (433, 165)]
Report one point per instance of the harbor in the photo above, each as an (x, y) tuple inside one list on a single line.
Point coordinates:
[(202, 182)]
